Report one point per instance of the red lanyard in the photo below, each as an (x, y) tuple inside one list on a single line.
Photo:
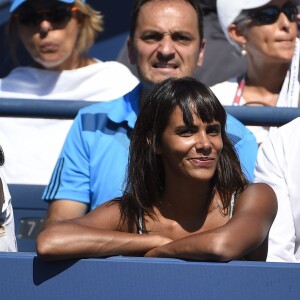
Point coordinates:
[(239, 92)]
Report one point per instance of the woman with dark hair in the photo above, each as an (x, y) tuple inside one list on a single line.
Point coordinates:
[(186, 195)]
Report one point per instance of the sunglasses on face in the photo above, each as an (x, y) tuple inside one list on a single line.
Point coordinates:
[(270, 14), (31, 17)]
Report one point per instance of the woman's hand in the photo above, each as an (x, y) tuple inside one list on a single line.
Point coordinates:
[(155, 251), (152, 253)]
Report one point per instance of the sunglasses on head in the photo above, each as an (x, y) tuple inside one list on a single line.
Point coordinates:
[(270, 14), (31, 17)]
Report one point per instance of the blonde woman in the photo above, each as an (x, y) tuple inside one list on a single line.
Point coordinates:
[(57, 35)]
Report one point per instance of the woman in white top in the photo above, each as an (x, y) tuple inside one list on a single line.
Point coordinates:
[(267, 31), (7, 225), (57, 35)]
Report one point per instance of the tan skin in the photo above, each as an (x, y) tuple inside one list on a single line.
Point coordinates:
[(53, 46), (166, 41), (166, 44), (270, 50), (183, 227)]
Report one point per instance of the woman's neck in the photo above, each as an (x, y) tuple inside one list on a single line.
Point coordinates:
[(264, 83), (186, 200), (72, 63)]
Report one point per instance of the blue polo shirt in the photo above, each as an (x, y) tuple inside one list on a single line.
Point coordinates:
[(92, 164)]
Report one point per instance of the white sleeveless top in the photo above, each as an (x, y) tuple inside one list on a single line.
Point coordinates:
[(8, 241)]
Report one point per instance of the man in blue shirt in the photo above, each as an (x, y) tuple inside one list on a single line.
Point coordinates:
[(166, 40)]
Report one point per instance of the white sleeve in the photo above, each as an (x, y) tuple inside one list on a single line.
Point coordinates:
[(270, 168), (7, 197)]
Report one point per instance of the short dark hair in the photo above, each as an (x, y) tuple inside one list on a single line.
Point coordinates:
[(139, 3), (145, 180)]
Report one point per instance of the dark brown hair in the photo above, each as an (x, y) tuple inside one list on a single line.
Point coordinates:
[(145, 178)]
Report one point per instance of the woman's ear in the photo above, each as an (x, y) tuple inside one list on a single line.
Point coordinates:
[(157, 149), (152, 143), (237, 33)]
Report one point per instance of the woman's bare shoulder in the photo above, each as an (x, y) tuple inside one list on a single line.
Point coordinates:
[(259, 186), (259, 189), (106, 216), (258, 196)]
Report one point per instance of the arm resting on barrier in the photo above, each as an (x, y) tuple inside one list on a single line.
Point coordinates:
[(101, 233), (94, 235)]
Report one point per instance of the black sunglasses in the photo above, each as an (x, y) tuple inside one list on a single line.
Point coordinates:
[(31, 17), (270, 14)]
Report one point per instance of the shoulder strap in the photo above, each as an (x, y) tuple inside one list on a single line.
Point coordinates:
[(232, 200), (140, 221)]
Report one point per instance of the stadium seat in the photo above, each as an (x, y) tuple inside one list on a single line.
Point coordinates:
[(29, 211)]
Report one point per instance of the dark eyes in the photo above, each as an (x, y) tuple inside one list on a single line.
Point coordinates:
[(186, 132), (181, 38), (212, 130), (153, 37)]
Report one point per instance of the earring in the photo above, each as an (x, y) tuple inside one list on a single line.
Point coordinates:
[(244, 51)]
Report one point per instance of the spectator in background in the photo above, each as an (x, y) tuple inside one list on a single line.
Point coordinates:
[(278, 165), (166, 40), (186, 195), (267, 31), (8, 241), (221, 59), (57, 35)]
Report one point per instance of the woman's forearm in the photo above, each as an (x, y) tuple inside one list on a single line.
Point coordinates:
[(67, 240), (206, 246), (194, 247)]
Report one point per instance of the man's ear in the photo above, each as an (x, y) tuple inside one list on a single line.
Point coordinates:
[(131, 52), (201, 53)]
